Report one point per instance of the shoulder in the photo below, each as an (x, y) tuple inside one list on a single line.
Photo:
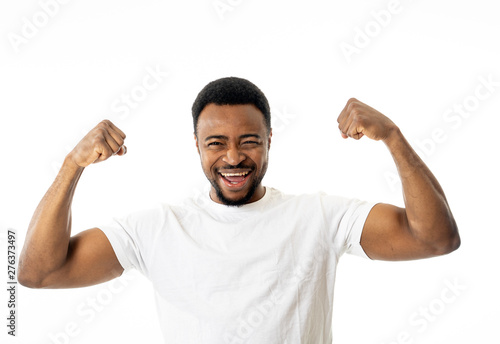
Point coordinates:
[(331, 206)]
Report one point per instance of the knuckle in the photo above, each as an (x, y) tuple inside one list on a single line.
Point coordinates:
[(355, 110), (103, 124), (352, 100), (351, 106), (101, 128), (98, 141)]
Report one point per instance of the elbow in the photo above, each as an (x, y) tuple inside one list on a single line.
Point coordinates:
[(34, 274), (450, 244), (29, 282), (454, 240), (28, 278), (455, 244)]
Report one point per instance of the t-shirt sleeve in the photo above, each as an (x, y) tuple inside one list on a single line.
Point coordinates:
[(347, 219), (130, 236)]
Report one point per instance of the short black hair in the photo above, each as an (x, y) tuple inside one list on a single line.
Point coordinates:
[(231, 91)]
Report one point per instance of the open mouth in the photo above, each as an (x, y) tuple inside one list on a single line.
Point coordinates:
[(235, 179)]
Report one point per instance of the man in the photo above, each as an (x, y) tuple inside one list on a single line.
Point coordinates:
[(244, 263)]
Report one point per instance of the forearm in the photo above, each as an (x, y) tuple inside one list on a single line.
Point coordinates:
[(46, 244), (427, 211)]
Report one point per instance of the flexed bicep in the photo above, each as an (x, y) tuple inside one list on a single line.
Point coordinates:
[(90, 260)]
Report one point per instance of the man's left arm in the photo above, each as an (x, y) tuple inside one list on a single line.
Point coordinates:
[(425, 227)]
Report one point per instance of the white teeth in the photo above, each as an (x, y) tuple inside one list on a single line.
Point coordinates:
[(234, 174)]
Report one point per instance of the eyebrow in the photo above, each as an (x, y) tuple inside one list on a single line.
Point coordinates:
[(223, 137)]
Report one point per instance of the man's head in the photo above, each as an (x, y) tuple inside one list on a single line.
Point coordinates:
[(232, 129)]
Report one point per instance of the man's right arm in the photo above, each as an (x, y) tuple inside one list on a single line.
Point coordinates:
[(51, 258)]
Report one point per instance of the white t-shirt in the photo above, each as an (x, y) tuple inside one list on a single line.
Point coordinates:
[(260, 273)]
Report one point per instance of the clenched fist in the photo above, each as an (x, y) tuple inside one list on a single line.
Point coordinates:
[(358, 119), (102, 142)]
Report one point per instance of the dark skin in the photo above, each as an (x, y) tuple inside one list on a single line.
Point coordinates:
[(425, 227), (51, 258), (234, 139)]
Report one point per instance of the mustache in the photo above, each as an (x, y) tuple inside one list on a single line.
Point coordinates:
[(239, 166)]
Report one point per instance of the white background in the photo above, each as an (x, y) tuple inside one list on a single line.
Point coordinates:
[(71, 68)]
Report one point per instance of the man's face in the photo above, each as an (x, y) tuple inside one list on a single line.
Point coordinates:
[(233, 144)]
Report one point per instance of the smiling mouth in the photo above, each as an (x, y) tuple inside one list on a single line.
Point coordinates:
[(235, 179)]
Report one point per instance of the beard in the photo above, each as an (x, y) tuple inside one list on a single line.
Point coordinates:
[(255, 182)]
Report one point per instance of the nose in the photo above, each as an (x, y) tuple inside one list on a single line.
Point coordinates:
[(233, 156)]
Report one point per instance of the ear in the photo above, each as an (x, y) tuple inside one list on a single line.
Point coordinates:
[(196, 141), (269, 139)]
